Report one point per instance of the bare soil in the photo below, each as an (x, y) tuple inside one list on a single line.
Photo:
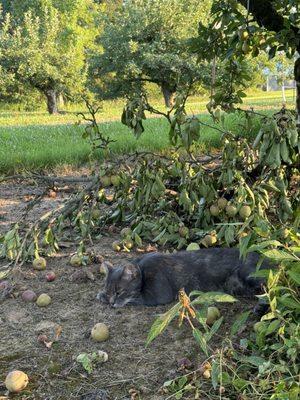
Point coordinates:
[(132, 370)]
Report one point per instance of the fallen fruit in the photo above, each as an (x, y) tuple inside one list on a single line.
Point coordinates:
[(206, 374), (222, 203), (39, 264), (116, 246), (209, 240), (29, 296), (115, 180), (43, 300), (213, 314), (100, 332), (245, 212), (96, 214), (102, 356), (128, 243), (105, 180), (50, 276), (76, 260), (16, 381), (214, 210), (231, 210), (193, 247)]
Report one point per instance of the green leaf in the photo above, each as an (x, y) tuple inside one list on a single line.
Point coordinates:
[(239, 322), (215, 372), (200, 340), (295, 276), (240, 384), (278, 255), (162, 322), (263, 245), (214, 329), (211, 297)]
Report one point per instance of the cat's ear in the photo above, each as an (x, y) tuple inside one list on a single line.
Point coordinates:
[(130, 272), (105, 267)]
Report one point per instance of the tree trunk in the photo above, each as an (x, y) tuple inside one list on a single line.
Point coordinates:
[(297, 79), (169, 94), (51, 101), (283, 92), (60, 100)]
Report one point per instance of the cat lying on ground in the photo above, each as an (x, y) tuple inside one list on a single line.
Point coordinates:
[(156, 278)]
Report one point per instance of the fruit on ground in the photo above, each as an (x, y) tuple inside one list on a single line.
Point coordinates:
[(210, 240), (76, 260), (105, 181), (16, 381), (29, 296), (102, 356), (43, 300), (128, 243), (206, 374), (116, 246), (115, 180), (39, 264), (222, 203), (100, 332), (96, 213), (245, 212), (193, 247), (213, 314), (231, 210), (50, 276), (214, 210), (125, 232)]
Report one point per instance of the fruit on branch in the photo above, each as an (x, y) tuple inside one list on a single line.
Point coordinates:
[(100, 332), (210, 240), (214, 210), (212, 315), (16, 381), (39, 264), (245, 212), (243, 34), (193, 246), (183, 231), (125, 232), (231, 210), (76, 260), (222, 203), (43, 300)]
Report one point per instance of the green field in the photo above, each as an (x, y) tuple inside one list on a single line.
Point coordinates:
[(35, 140)]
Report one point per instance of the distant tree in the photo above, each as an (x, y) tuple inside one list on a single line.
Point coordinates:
[(146, 41), (44, 46)]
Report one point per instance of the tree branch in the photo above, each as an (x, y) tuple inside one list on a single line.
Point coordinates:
[(267, 16)]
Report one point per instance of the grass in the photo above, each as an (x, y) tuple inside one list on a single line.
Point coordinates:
[(35, 140), (40, 147)]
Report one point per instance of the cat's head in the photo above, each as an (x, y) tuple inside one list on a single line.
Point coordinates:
[(123, 284)]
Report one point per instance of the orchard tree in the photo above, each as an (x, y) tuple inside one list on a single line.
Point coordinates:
[(44, 46), (242, 29), (146, 41)]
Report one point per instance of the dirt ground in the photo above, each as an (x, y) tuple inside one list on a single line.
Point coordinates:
[(132, 371)]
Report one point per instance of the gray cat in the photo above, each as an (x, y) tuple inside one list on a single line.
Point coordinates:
[(156, 278)]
